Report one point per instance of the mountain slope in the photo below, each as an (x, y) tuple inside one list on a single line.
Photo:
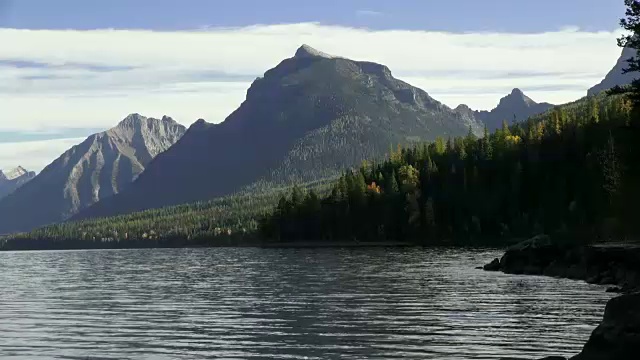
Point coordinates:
[(231, 220), (99, 167), (309, 117), (615, 76), (515, 106), (11, 180)]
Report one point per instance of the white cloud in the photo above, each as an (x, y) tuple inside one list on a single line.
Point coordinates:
[(368, 13), (95, 78), (33, 155)]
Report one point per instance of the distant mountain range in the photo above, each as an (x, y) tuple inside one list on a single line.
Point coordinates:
[(615, 76), (514, 107), (310, 117), (12, 179), (101, 166)]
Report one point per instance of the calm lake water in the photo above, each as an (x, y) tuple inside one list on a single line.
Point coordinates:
[(285, 303)]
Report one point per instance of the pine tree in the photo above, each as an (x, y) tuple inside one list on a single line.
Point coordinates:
[(392, 184), (439, 145), (487, 147), (611, 169), (297, 196), (594, 110), (631, 23)]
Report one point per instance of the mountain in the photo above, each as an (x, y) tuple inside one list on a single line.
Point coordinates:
[(514, 107), (12, 179), (99, 167), (310, 117), (615, 76)]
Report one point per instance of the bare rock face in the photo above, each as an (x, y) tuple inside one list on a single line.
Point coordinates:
[(618, 335), (514, 107), (99, 167), (613, 264), (310, 117), (12, 179), (307, 51), (615, 77)]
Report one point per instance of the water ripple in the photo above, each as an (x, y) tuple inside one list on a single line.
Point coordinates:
[(285, 304)]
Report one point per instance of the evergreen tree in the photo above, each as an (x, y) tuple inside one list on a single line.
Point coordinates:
[(631, 23)]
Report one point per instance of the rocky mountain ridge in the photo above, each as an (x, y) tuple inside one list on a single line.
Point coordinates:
[(12, 179), (311, 116), (99, 167), (616, 77), (514, 107)]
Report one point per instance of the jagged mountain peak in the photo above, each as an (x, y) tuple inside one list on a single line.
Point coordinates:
[(12, 179), (131, 119), (516, 97), (311, 116), (462, 107), (199, 123), (516, 92), (136, 120), (306, 51), (616, 76), (14, 173), (99, 167), (516, 106)]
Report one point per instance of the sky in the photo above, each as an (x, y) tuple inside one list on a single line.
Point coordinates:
[(70, 68)]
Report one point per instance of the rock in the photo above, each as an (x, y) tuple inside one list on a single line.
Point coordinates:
[(593, 280), (493, 266), (603, 264), (618, 335), (576, 272), (531, 256), (538, 241), (545, 358), (614, 289), (607, 281)]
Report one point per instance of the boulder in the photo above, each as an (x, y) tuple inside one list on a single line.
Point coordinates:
[(614, 289), (545, 358), (493, 266), (618, 335), (531, 256)]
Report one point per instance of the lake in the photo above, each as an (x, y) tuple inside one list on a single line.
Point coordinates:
[(251, 303)]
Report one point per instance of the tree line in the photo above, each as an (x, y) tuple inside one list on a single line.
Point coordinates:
[(571, 172)]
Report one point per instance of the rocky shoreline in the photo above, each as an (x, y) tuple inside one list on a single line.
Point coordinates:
[(617, 265), (618, 335)]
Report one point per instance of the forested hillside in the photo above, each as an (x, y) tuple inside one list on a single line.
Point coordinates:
[(571, 172), (228, 220), (99, 167), (308, 118)]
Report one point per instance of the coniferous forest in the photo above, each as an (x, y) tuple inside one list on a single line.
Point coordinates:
[(572, 173)]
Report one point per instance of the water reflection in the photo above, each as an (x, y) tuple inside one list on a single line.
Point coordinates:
[(285, 303)]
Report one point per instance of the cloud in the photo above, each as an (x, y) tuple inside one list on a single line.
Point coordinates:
[(46, 134), (368, 13), (59, 79), (34, 155)]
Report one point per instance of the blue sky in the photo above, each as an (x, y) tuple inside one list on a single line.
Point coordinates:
[(439, 15), (69, 68)]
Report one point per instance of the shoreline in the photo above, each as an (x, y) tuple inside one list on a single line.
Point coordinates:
[(337, 244), (614, 264), (247, 244), (618, 335)]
